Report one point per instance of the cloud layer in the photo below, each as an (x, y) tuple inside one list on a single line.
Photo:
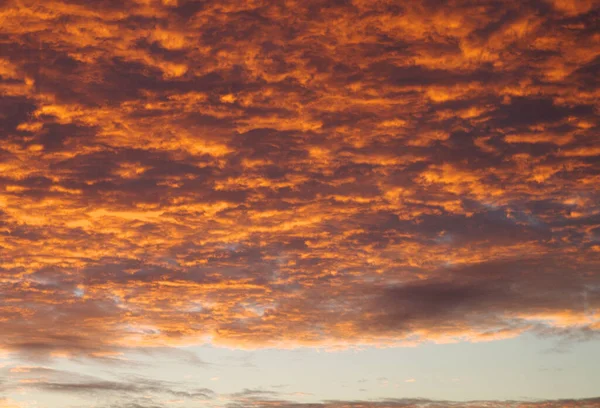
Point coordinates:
[(141, 392), (423, 403), (291, 173)]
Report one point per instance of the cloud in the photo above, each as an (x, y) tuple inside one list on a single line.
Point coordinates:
[(301, 173), (251, 394), (404, 403), (44, 379), (417, 403)]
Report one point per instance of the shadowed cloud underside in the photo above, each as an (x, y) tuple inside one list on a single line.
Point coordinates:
[(297, 173)]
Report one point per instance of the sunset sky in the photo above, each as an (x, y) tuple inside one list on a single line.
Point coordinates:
[(299, 203)]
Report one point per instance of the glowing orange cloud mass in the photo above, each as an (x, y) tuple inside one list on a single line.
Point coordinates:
[(296, 173)]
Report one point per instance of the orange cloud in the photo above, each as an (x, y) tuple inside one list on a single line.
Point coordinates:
[(296, 173)]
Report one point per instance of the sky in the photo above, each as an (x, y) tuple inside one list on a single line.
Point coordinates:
[(299, 203)]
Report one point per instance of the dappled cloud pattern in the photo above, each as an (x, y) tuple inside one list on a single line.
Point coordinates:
[(296, 173)]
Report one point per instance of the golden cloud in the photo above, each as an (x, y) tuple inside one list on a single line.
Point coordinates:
[(296, 173)]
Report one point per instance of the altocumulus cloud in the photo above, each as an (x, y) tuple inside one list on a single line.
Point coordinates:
[(258, 173)]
